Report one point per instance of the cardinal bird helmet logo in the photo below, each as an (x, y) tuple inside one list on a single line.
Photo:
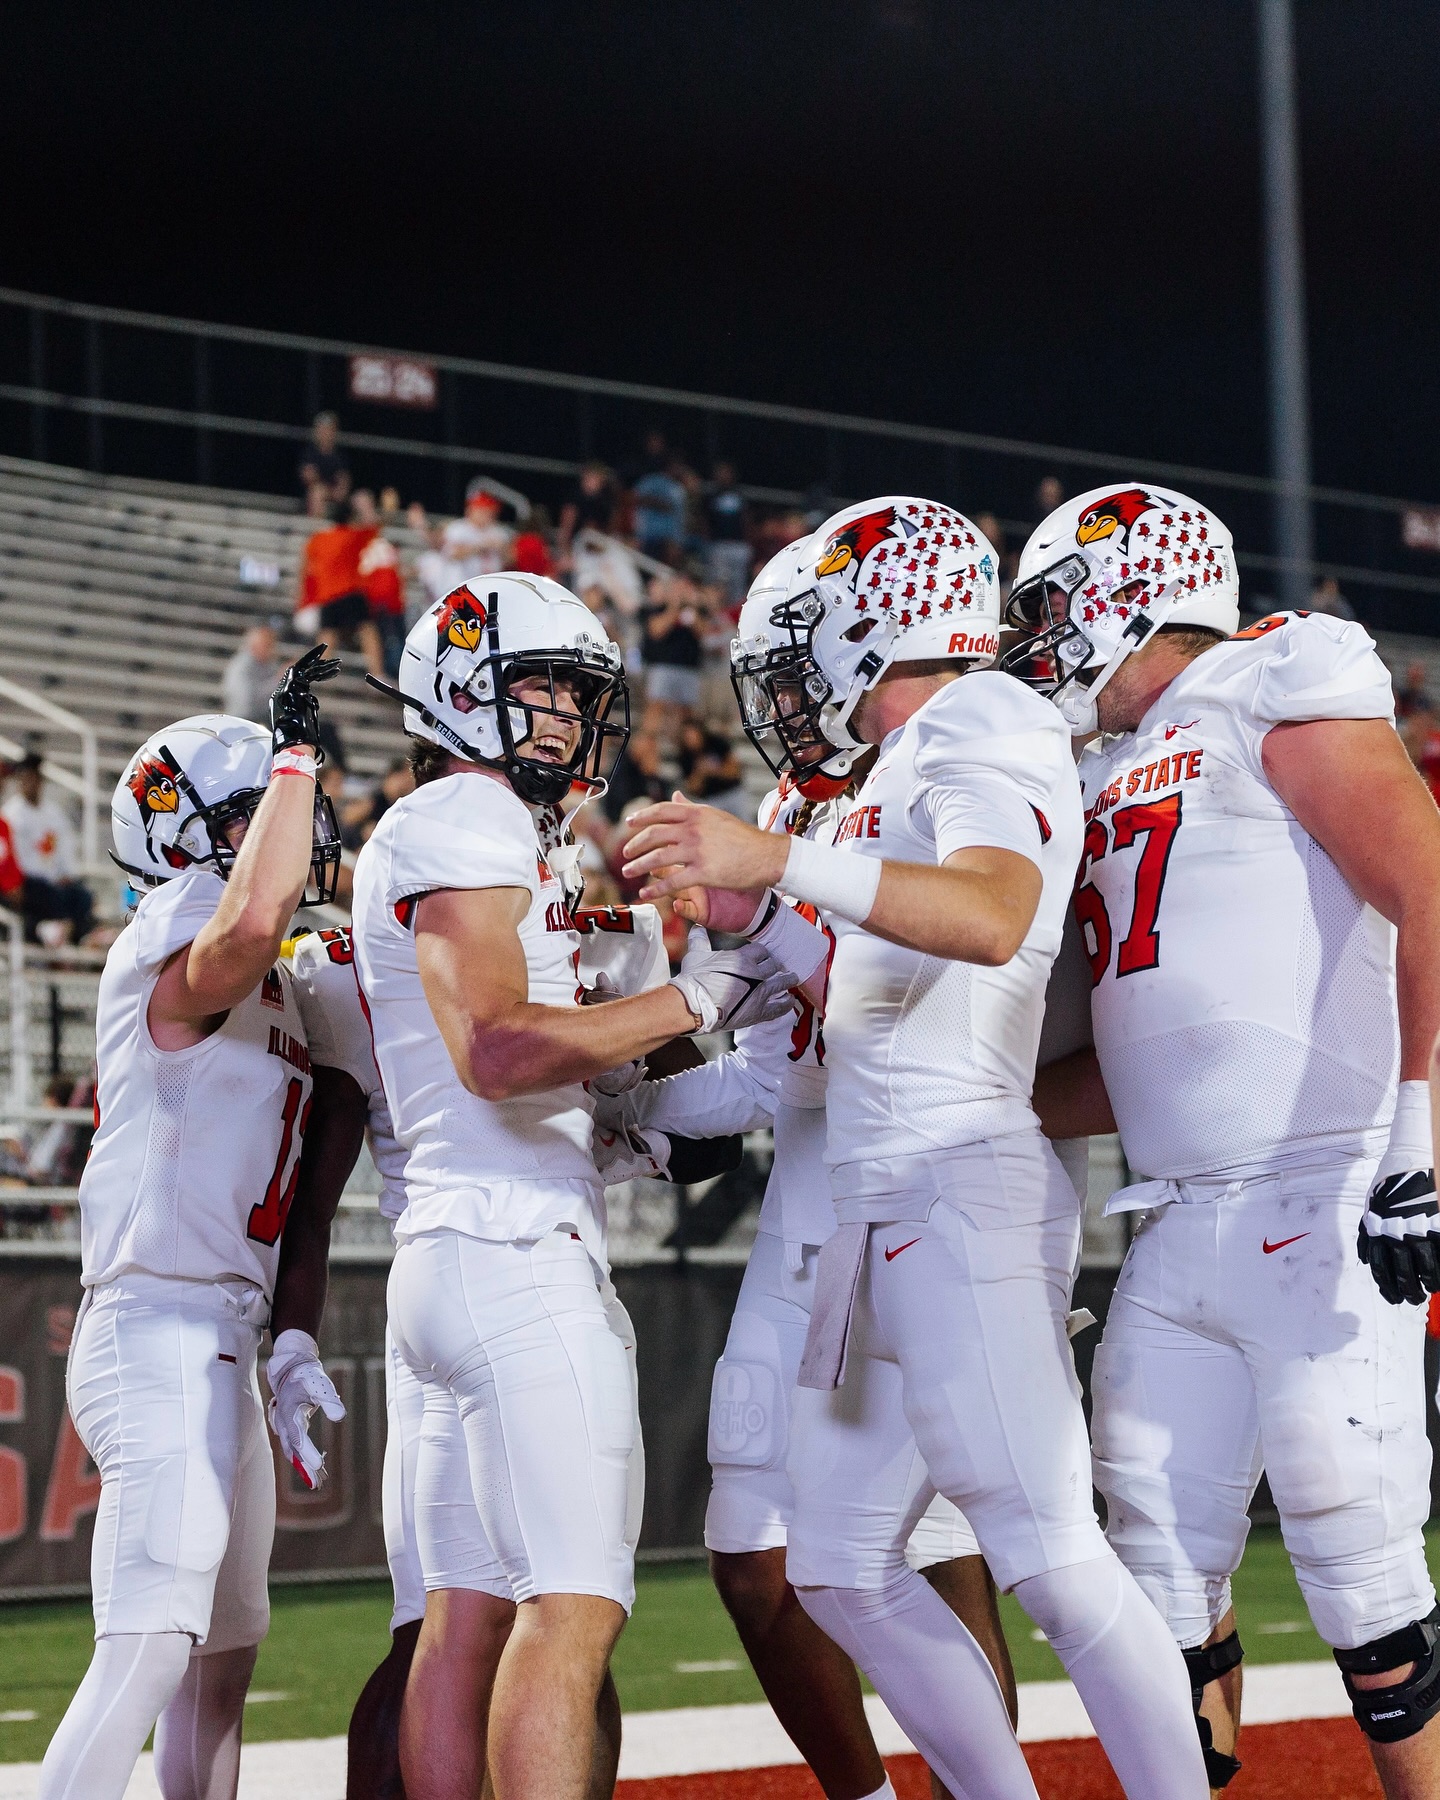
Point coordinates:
[(848, 547), (1115, 513), (153, 785), (459, 622)]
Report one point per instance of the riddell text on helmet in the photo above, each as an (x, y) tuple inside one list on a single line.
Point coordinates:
[(973, 643)]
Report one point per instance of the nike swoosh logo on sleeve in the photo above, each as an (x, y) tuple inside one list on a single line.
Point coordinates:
[(1270, 1248)]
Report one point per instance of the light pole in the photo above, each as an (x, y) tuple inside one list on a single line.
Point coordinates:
[(1285, 301)]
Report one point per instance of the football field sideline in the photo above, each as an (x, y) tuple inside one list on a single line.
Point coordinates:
[(660, 1747)]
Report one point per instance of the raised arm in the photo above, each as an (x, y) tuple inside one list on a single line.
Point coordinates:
[(232, 951)]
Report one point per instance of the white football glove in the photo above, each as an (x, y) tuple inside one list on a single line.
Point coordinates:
[(726, 989), (629, 1154), (1400, 1229), (299, 1385)]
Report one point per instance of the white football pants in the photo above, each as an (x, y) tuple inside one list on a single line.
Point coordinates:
[(751, 1497), (960, 1375), (529, 1471), (162, 1389), (1246, 1332)]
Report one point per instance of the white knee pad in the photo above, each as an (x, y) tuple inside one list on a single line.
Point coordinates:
[(1075, 1606)]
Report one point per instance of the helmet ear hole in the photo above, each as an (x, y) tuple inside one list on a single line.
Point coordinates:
[(860, 629)]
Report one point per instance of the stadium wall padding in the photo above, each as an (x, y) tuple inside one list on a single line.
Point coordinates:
[(49, 1489)]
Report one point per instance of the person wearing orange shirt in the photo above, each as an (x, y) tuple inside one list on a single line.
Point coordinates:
[(333, 587)]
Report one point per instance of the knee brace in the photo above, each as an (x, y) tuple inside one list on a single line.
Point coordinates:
[(1389, 1714), (1204, 1664)]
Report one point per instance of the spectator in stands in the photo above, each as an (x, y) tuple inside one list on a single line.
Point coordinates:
[(727, 526), (44, 845), (359, 817), (383, 584), (530, 553), (12, 880), (323, 467), (711, 770), (672, 649), (478, 544), (1048, 495), (1325, 597), (592, 505), (1420, 734), (1413, 694), (331, 602), (635, 776), (661, 505), (251, 675)]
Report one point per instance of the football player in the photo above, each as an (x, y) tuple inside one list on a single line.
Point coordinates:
[(621, 944), (203, 1091), (777, 1073), (467, 957), (1261, 862), (938, 1329)]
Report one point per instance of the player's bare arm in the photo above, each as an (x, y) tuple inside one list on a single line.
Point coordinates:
[(273, 848), (232, 952), (976, 907), (473, 969), (1070, 1097), (1353, 788)]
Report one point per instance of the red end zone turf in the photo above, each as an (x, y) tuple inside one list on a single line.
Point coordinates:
[(1313, 1759)]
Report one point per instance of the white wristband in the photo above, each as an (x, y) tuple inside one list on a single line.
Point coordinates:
[(1410, 1133), (836, 881), (794, 942), (293, 761)]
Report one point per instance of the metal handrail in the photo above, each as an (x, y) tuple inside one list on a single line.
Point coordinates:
[(770, 411), (88, 785)]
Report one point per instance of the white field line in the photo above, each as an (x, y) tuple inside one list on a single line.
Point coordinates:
[(694, 1740)]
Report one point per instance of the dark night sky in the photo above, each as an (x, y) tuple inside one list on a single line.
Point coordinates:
[(1039, 219)]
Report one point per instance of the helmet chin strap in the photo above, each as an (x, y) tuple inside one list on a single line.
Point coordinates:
[(1079, 706)]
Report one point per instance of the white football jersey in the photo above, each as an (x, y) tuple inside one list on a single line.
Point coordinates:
[(1244, 1003), (337, 1025), (197, 1152), (502, 1169), (925, 1054), (780, 1063), (627, 943)]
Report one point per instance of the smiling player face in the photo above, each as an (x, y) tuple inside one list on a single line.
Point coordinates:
[(556, 736)]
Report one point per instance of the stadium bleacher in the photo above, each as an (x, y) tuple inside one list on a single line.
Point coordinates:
[(121, 600)]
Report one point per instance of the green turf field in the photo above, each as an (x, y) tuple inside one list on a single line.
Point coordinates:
[(678, 1650)]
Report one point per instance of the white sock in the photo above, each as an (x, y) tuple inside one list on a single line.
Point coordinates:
[(197, 1737), (1129, 1672), (129, 1683), (933, 1676), (884, 1792)]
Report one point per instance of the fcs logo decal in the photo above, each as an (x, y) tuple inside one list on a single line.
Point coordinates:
[(460, 621), (854, 542), (153, 785), (1113, 516)]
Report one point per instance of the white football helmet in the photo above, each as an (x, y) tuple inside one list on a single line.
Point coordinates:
[(1099, 578), (889, 580), (466, 652), (186, 786)]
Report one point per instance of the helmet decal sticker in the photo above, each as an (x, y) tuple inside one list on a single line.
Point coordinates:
[(1113, 516), (459, 622), (848, 547), (153, 785)]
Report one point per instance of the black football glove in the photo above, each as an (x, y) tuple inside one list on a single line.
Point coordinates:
[(294, 710), (1400, 1236)]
